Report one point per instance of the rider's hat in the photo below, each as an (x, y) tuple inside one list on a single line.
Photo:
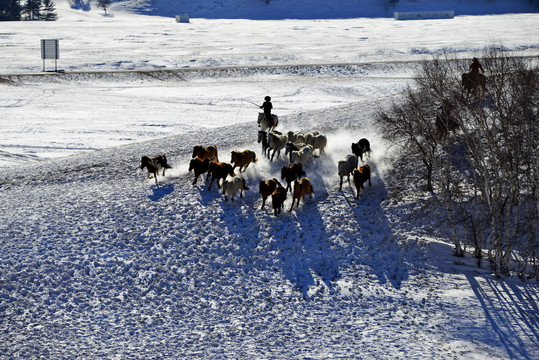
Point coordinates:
[(267, 98)]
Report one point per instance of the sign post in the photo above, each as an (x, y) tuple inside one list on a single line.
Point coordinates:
[(50, 50)]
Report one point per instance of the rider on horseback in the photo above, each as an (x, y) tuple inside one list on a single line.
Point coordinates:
[(475, 67), (267, 106)]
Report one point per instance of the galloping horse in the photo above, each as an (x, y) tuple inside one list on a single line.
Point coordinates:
[(473, 82), (208, 152), (264, 123)]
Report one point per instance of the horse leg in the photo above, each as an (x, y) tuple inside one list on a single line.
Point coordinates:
[(293, 199)]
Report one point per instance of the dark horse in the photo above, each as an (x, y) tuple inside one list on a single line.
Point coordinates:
[(445, 122), (473, 82)]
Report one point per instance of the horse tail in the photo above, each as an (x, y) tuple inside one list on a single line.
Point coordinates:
[(165, 164), (254, 156)]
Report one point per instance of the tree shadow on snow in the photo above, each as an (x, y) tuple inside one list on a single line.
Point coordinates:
[(513, 313), (510, 306)]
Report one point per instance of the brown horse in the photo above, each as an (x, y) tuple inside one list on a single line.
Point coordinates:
[(208, 152), (242, 159), (219, 171), (292, 173), (266, 188), (199, 166), (277, 199), (301, 188), (362, 175), (473, 82), (445, 124)]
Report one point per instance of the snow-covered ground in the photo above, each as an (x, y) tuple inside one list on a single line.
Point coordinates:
[(97, 261)]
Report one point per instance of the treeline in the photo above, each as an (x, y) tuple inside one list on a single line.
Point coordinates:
[(15, 10), (478, 152)]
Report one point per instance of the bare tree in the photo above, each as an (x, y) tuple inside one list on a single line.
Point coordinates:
[(480, 153), (410, 126)]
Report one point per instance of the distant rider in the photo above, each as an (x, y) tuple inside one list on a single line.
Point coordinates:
[(267, 106), (475, 67)]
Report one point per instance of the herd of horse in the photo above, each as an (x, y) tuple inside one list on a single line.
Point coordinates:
[(300, 149)]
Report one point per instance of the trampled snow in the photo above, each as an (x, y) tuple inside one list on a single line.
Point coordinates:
[(99, 262)]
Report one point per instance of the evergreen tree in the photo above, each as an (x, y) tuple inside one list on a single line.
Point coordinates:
[(10, 10), (48, 11), (104, 4), (31, 9)]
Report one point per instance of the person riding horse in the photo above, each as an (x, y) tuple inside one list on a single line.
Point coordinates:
[(474, 80), (267, 106), (475, 66)]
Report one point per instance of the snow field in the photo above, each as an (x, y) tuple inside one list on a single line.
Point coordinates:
[(122, 267), (97, 261)]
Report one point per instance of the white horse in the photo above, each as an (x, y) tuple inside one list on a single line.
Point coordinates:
[(303, 155), (317, 141), (264, 123), (296, 137), (276, 142)]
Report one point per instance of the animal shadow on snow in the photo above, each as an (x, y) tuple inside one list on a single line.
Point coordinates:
[(385, 255), (306, 256), (160, 191)]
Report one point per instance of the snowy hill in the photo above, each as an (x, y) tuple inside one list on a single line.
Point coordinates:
[(320, 9), (97, 261)]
